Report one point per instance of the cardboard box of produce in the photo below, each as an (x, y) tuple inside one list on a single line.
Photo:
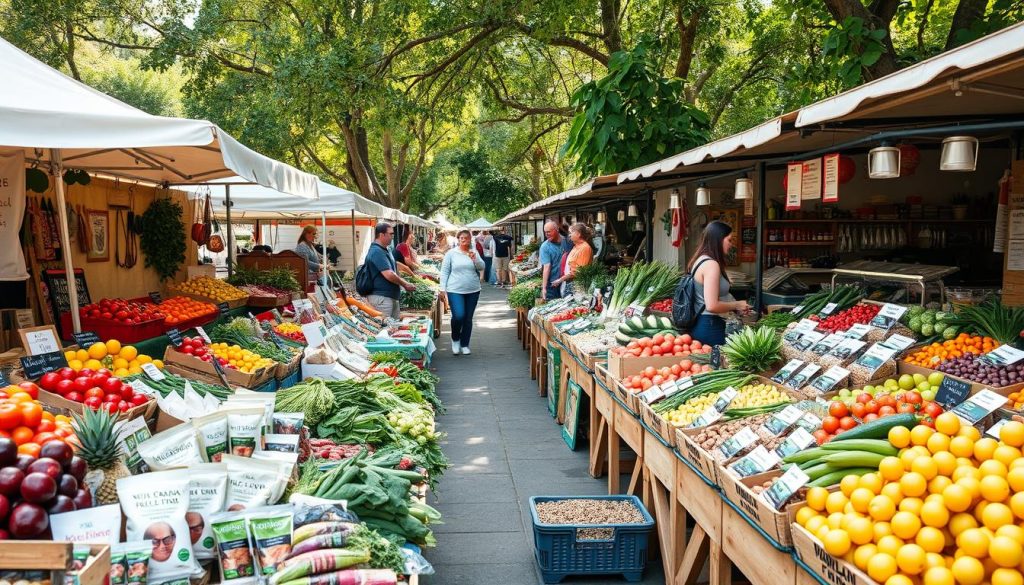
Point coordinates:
[(620, 367), (905, 368), (776, 523), (831, 570), (234, 377), (56, 556), (57, 404)]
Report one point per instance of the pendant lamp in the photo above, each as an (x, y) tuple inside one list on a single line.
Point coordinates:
[(884, 162), (744, 188), (959, 153), (601, 217), (632, 210), (703, 195), (638, 226), (621, 215), (673, 200)]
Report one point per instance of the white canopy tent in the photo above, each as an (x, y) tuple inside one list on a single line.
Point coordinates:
[(480, 224), (54, 120)]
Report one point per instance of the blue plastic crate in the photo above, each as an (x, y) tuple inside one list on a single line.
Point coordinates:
[(560, 554), (268, 386), (290, 380)]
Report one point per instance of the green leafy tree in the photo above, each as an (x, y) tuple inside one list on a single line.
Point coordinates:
[(631, 117)]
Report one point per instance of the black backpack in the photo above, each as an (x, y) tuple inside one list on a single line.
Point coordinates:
[(364, 280), (686, 308)]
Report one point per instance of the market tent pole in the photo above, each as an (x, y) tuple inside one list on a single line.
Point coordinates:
[(354, 261), (762, 212), (227, 216), (56, 168), (323, 248), (649, 249)]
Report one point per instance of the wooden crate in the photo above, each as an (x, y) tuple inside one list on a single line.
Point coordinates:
[(44, 555), (686, 445), (620, 367), (653, 420), (235, 377), (660, 460), (627, 398), (905, 368), (776, 523), (751, 553), (627, 425), (699, 500), (57, 404), (829, 569)]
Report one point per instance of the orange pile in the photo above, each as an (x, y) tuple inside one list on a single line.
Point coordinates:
[(23, 419), (182, 309), (936, 353)]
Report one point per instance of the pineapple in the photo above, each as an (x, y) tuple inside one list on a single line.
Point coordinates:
[(97, 445)]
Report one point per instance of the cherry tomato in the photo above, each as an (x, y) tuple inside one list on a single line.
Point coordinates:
[(886, 411), (31, 414), (10, 416), (913, 398), (93, 402), (829, 424), (838, 409), (95, 392)]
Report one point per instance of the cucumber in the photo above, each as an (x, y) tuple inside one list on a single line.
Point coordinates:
[(879, 446), (636, 323), (820, 470), (665, 323), (653, 323), (806, 455), (622, 338), (878, 428), (830, 479), (846, 459), (625, 329)]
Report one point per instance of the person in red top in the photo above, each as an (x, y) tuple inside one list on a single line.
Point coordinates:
[(409, 252)]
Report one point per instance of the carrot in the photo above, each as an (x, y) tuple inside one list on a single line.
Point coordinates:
[(350, 577), (317, 562), (364, 307)]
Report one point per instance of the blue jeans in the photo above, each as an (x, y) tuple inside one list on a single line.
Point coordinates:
[(487, 268), (463, 306), (709, 329)]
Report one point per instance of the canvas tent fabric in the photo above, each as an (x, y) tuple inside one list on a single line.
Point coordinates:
[(43, 109), (480, 224)]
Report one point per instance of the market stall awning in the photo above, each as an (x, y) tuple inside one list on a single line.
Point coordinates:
[(259, 202), (479, 224), (42, 109)]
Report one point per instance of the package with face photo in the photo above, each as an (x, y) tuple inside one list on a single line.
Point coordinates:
[(155, 505)]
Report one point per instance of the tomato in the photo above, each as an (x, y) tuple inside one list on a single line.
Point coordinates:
[(111, 397), (46, 426), (82, 384), (847, 422), (906, 409), (112, 385), (676, 369), (97, 380), (74, 396), (933, 410), (887, 400), (870, 417), (66, 374), (22, 435), (928, 422), (31, 414), (49, 381), (872, 406), (97, 392), (886, 411), (10, 416), (30, 389), (43, 438), (32, 449), (139, 399), (863, 397), (829, 424), (820, 436), (93, 402), (123, 406), (858, 410), (913, 397), (838, 409)]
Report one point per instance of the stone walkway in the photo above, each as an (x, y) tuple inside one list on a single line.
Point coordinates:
[(504, 447)]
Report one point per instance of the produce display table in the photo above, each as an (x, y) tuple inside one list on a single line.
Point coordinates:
[(418, 349)]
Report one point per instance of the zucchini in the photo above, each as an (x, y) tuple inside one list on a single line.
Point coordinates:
[(879, 446), (846, 459), (830, 479), (878, 428), (652, 322), (819, 470), (622, 338), (806, 455), (636, 323)]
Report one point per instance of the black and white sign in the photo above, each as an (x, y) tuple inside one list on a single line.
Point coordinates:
[(37, 365)]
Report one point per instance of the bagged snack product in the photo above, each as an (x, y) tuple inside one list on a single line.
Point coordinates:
[(175, 447), (245, 431), (254, 482), (246, 399), (155, 505), (288, 423), (136, 561), (271, 530), (212, 431), (93, 525), (118, 572), (233, 549), (282, 443), (208, 490)]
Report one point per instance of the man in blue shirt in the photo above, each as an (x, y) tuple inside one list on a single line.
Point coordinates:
[(387, 284), (551, 261)]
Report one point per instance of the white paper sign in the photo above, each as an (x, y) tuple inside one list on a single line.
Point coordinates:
[(1004, 355), (725, 398), (202, 333), (857, 331), (153, 372), (830, 164), (794, 182), (42, 340), (898, 342), (757, 461), (781, 421), (810, 183), (800, 379), (979, 406), (12, 210), (830, 379), (828, 309), (797, 441), (828, 344), (888, 316), (652, 394), (785, 487), (738, 442), (875, 356)]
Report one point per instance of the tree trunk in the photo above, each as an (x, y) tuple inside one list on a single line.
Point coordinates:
[(879, 17), (687, 26), (357, 159), (967, 13), (610, 24), (535, 172)]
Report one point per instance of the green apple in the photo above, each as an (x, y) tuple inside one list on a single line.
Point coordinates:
[(918, 378), (935, 378), (869, 389), (928, 394), (923, 385), (906, 382), (845, 393)]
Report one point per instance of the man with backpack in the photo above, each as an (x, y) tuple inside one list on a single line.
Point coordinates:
[(377, 279)]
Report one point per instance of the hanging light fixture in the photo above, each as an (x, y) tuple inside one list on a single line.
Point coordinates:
[(959, 153), (703, 195), (621, 215), (601, 217), (744, 188), (673, 200), (632, 210), (638, 226), (884, 162)]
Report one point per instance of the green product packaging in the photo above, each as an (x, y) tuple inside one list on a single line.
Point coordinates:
[(233, 549), (212, 431), (271, 530), (208, 489)]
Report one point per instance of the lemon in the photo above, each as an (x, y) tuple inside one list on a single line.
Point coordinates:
[(968, 571), (143, 359), (939, 576), (76, 365), (158, 363), (905, 525), (82, 355), (113, 347), (1012, 433), (881, 567), (98, 351), (94, 364), (70, 355), (911, 559), (1005, 551)]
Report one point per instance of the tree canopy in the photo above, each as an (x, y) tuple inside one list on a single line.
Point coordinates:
[(478, 107)]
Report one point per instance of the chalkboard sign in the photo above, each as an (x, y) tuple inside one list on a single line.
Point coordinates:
[(175, 336), (37, 365), (56, 283), (716, 356), (952, 392), (156, 297), (85, 339), (223, 308), (220, 372)]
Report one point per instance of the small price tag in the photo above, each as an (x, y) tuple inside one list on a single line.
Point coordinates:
[(757, 461), (652, 394), (202, 333), (277, 316), (828, 309), (709, 416), (154, 372), (781, 421), (795, 310), (85, 339), (847, 348), (808, 340), (993, 431), (787, 371), (800, 379), (223, 308), (898, 342), (725, 398), (875, 356), (175, 336), (979, 406), (828, 344), (634, 310), (784, 487), (952, 391), (156, 297), (888, 316), (737, 443), (680, 385), (802, 327), (830, 379), (37, 365), (809, 422), (857, 331), (1004, 355), (142, 388), (797, 441)]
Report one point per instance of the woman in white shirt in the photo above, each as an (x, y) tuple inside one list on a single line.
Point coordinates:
[(460, 283)]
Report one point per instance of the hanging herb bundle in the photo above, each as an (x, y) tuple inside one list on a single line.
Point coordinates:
[(163, 237)]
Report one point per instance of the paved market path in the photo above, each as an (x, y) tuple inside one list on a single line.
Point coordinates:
[(504, 448)]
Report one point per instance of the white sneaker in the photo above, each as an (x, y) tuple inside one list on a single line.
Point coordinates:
[(465, 351), (455, 348)]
